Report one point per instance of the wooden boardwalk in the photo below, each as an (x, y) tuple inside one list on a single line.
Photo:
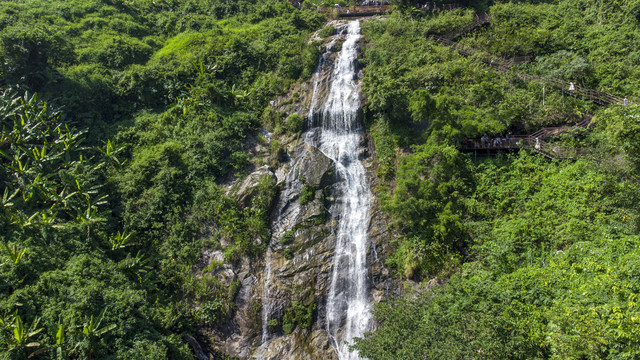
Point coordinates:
[(534, 141), (372, 10), (569, 88), (356, 11), (499, 63), (478, 21), (519, 142)]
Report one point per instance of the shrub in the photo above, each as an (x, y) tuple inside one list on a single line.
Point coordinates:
[(277, 152), (307, 194), (294, 124), (327, 31), (297, 315)]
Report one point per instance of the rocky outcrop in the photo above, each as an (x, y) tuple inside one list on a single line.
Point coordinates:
[(249, 186), (301, 254), (380, 233), (303, 345), (303, 249)]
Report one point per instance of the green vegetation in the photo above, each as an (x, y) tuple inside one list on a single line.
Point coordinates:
[(294, 124), (535, 258), (288, 253), (110, 176), (120, 121), (307, 194), (297, 315)]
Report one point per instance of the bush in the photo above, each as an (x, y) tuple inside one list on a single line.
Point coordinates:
[(277, 152), (327, 31), (294, 124), (116, 52), (297, 315), (307, 194)]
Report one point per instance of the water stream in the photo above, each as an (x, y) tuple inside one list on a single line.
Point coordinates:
[(338, 137), (335, 131)]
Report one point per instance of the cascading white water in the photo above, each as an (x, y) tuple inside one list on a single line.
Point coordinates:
[(337, 134), (348, 305)]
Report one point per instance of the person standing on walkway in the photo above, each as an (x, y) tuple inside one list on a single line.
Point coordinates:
[(626, 101)]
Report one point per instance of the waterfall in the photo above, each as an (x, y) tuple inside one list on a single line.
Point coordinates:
[(348, 305), (333, 129)]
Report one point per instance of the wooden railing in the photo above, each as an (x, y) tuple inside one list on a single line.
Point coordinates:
[(557, 130), (501, 64), (534, 141), (369, 10), (536, 144), (356, 10), (509, 63), (494, 61), (479, 20), (573, 89), (438, 7)]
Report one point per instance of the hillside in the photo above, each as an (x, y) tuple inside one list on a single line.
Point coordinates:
[(158, 159), (537, 257)]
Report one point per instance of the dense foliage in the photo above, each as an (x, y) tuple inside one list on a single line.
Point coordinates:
[(120, 120), (528, 258)]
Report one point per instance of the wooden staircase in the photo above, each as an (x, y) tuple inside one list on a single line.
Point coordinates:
[(357, 11), (478, 21), (534, 141), (501, 64)]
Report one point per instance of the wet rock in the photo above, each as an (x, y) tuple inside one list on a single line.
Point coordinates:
[(311, 168), (302, 245), (195, 347), (241, 334)]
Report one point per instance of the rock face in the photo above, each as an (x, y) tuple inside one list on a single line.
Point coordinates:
[(302, 257), (250, 184), (307, 345), (277, 295)]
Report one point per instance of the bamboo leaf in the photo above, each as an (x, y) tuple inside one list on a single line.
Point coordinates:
[(105, 329), (60, 335), (18, 330)]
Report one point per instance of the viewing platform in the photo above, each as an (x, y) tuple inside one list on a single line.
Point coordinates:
[(357, 11), (534, 141), (373, 10)]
